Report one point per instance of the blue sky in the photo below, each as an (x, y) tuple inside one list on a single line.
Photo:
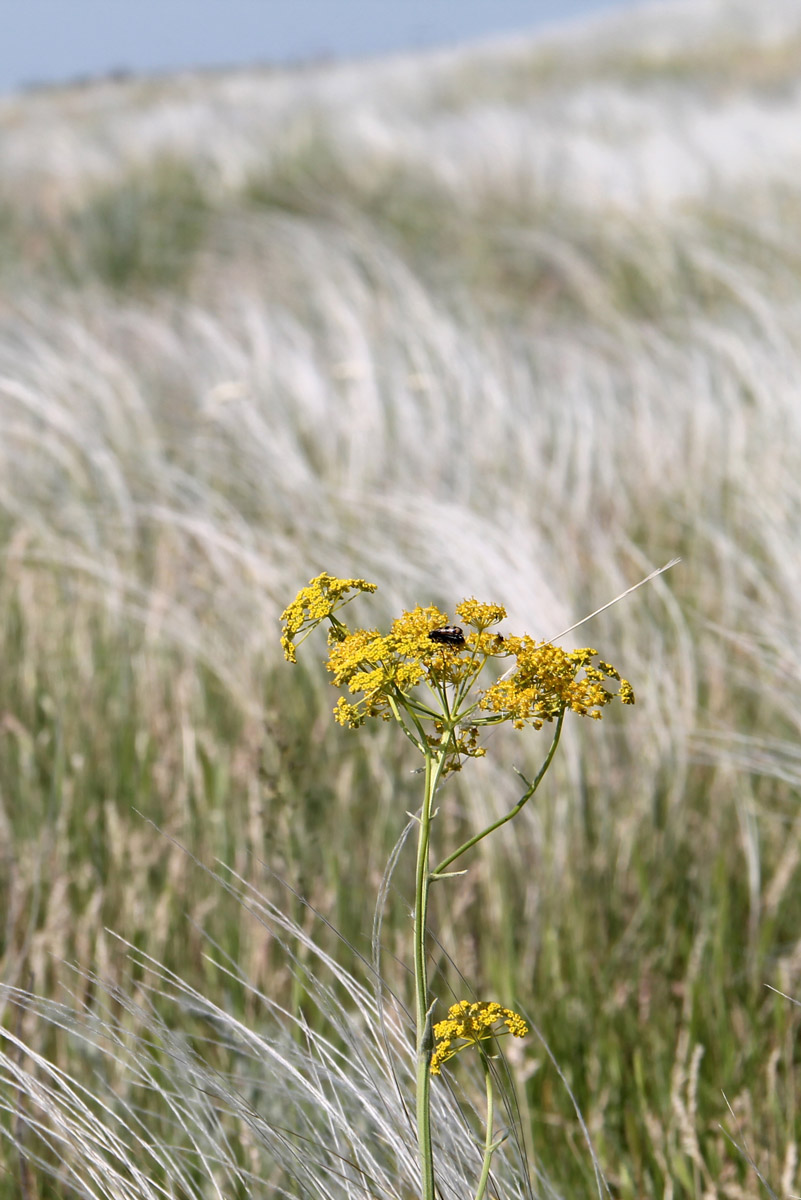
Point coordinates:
[(50, 41)]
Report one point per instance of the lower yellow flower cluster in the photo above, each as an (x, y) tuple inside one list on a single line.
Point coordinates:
[(470, 1024)]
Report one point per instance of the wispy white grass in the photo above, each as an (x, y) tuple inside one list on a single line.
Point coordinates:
[(618, 112), (477, 119), (312, 1104)]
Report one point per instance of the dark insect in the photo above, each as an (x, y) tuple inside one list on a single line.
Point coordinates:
[(449, 635)]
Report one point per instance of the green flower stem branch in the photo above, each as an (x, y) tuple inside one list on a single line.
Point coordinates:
[(490, 1144), (424, 675), (435, 763), (524, 799)]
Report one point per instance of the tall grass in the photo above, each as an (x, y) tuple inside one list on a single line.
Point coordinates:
[(519, 322)]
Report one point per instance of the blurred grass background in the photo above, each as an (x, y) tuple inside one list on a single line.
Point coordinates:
[(519, 322)]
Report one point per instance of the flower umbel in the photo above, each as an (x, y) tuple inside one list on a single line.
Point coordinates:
[(547, 680), (384, 670), (319, 600), (470, 1025), (388, 674)]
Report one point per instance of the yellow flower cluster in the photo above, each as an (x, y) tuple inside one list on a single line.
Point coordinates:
[(547, 680), (480, 616), (471, 1024), (366, 662), (317, 601), (382, 670)]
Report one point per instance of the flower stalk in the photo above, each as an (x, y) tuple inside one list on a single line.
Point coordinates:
[(444, 687), (422, 1010)]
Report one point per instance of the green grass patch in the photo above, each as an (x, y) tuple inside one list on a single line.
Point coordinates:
[(139, 233)]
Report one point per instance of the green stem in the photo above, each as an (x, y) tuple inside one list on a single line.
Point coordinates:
[(529, 792), (395, 709), (435, 762), (489, 1145)]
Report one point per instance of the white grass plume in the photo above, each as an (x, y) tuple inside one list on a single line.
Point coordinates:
[(305, 1104)]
